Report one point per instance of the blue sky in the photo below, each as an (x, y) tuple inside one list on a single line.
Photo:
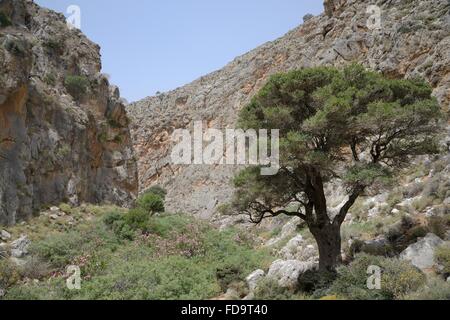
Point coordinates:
[(159, 45)]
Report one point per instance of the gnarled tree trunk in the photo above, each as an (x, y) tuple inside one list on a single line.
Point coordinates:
[(328, 239)]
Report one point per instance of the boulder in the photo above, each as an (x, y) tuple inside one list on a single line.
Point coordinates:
[(421, 253), (296, 249), (287, 272), (5, 235), (254, 278), (19, 247)]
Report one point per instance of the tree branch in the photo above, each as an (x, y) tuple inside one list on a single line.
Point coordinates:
[(340, 218)]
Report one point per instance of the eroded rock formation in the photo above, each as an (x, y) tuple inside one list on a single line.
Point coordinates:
[(56, 146)]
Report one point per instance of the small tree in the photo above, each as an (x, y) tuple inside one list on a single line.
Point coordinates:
[(77, 86), (151, 202), (350, 126)]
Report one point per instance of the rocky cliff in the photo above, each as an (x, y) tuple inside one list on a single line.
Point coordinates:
[(63, 129), (413, 40)]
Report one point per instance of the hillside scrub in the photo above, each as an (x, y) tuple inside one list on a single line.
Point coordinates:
[(176, 257)]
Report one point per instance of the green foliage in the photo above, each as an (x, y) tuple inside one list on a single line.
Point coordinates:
[(77, 86), (438, 226), (4, 20), (398, 279), (54, 45), (116, 222), (9, 274), (169, 278), (15, 46), (269, 289), (178, 258), (50, 79), (442, 255), (226, 275), (158, 190), (140, 219), (405, 232), (35, 268), (316, 282), (151, 203), (62, 249), (137, 219), (373, 249), (436, 289)]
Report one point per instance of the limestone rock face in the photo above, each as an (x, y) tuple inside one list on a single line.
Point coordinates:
[(19, 247), (55, 147), (414, 40), (421, 253), (287, 272)]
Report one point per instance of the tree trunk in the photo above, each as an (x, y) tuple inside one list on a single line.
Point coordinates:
[(328, 239)]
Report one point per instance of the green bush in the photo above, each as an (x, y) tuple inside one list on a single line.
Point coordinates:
[(54, 45), (163, 279), (52, 289), (166, 224), (77, 86), (15, 46), (159, 191), (315, 282), (35, 268), (151, 203), (436, 289), (137, 219), (116, 222), (398, 279), (50, 79), (62, 249), (373, 249), (9, 274), (438, 226), (178, 258), (442, 255), (269, 289), (58, 249), (226, 275), (4, 20)]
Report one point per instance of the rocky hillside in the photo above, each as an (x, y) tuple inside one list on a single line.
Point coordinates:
[(63, 129), (414, 40)]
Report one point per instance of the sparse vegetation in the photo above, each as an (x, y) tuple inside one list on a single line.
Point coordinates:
[(50, 79), (54, 45), (398, 278), (443, 258), (177, 258), (77, 86), (14, 46), (4, 20)]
